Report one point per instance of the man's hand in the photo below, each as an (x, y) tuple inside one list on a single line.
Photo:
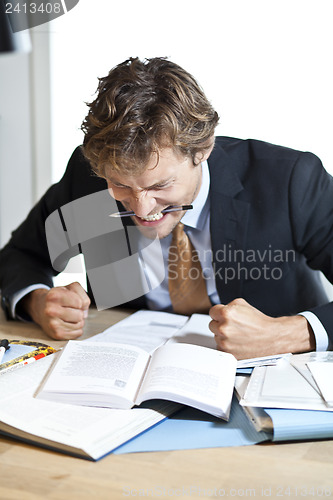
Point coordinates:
[(59, 311), (246, 332)]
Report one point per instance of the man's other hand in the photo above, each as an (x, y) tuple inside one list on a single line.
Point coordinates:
[(60, 311), (246, 332)]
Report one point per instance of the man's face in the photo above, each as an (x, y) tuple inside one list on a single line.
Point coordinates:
[(174, 180)]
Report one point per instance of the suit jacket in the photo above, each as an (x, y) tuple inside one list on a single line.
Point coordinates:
[(271, 223)]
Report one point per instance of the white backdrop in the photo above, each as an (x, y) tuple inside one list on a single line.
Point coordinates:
[(266, 65)]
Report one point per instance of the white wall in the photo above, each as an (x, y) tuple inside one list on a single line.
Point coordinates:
[(16, 190), (25, 130), (265, 64), (41, 110)]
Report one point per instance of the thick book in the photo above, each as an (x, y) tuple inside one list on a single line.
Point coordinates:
[(84, 432), (122, 376)]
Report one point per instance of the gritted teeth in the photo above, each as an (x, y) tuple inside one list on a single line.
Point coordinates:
[(150, 218)]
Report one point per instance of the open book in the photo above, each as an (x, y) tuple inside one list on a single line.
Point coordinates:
[(81, 431), (122, 376)]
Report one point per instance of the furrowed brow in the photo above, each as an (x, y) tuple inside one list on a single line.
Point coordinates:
[(156, 185)]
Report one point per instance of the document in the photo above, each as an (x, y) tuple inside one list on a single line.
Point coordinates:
[(286, 424), (300, 362), (195, 331), (81, 431), (322, 373), (282, 386), (262, 361), (122, 376), (145, 329)]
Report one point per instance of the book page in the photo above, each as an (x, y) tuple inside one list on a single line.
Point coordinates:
[(144, 329), (196, 332), (84, 430), (190, 374), (86, 371)]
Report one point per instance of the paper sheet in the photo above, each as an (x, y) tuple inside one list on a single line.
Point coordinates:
[(196, 331), (281, 386), (322, 372), (300, 362), (145, 329)]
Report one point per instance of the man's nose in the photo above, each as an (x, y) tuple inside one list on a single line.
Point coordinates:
[(142, 203)]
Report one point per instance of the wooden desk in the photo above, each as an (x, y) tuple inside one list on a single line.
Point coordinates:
[(266, 470)]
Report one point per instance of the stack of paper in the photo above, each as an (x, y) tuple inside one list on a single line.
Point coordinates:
[(300, 382), (322, 373)]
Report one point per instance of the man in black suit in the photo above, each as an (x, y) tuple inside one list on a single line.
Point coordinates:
[(262, 221)]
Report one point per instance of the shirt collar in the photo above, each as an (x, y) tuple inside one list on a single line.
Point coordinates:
[(196, 218)]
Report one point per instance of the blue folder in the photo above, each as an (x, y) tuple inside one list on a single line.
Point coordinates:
[(190, 429), (292, 425)]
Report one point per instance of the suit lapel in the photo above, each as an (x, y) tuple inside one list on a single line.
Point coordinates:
[(228, 225)]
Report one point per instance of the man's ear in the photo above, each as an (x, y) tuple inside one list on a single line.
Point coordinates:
[(205, 153)]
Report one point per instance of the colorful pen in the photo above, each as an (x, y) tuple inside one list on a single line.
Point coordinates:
[(172, 208), (26, 361)]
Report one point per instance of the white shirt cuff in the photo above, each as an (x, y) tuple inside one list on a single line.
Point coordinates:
[(22, 293), (318, 330)]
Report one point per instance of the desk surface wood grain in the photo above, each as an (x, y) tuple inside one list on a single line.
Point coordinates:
[(288, 470)]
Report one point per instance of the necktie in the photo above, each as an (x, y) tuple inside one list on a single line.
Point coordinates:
[(187, 287)]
